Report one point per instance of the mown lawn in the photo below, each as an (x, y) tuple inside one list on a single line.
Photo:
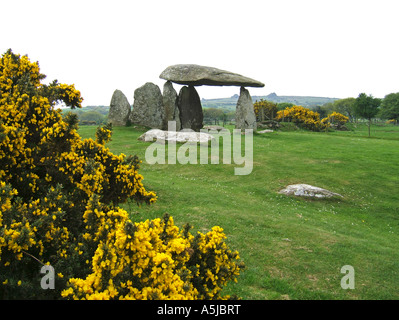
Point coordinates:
[(378, 131), (293, 248)]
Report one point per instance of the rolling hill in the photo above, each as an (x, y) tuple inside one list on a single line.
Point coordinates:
[(230, 103)]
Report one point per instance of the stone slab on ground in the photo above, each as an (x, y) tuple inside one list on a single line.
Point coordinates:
[(265, 131), (306, 190), (177, 136)]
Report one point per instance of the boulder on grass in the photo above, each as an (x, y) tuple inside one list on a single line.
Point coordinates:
[(306, 190)]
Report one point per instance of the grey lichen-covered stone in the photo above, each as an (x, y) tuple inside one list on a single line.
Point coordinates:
[(181, 136), (196, 75), (171, 109), (190, 108), (119, 109), (245, 114), (148, 107), (306, 190)]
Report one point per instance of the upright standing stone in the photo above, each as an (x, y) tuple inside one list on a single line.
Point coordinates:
[(190, 108), (171, 109), (245, 114), (148, 106), (119, 109)]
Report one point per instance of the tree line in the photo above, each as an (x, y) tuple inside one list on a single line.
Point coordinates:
[(364, 107)]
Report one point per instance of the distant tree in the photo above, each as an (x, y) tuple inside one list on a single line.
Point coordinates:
[(321, 110), (326, 109), (367, 107), (95, 116), (213, 114), (390, 106), (346, 106), (230, 116)]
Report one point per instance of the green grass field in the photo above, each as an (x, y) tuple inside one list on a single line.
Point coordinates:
[(293, 248)]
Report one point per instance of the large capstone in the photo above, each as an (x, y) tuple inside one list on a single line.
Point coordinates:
[(148, 107), (190, 108), (195, 75), (119, 109), (245, 114), (171, 109)]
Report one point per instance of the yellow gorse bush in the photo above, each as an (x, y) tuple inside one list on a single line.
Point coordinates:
[(336, 118), (265, 110), (152, 260), (59, 197), (303, 117)]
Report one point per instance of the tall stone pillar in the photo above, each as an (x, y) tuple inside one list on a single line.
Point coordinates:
[(190, 108), (245, 114), (119, 109), (170, 100), (148, 106)]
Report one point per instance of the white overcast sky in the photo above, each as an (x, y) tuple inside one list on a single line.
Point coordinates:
[(315, 48)]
